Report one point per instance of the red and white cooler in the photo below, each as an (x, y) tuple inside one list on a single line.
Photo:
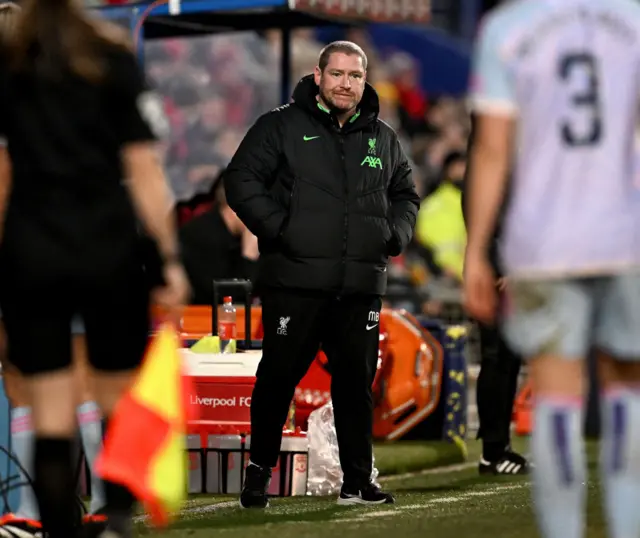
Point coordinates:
[(219, 441)]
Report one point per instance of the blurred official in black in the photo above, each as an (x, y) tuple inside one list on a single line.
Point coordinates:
[(496, 387), (79, 173)]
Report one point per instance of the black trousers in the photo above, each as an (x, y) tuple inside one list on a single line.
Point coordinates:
[(296, 326), (496, 388)]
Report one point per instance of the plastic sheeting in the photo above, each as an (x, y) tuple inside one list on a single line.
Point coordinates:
[(325, 474)]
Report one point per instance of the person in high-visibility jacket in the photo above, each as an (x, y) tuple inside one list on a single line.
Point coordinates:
[(440, 226)]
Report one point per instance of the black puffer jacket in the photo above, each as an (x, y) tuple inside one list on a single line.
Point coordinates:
[(328, 204)]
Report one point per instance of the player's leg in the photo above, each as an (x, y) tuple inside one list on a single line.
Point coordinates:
[(26, 516), (549, 323), (49, 381), (351, 343), (290, 344), (117, 327), (618, 339), (89, 419)]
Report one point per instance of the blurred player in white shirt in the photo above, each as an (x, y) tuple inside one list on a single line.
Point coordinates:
[(556, 92)]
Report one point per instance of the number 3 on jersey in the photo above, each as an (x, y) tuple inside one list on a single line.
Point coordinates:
[(585, 100)]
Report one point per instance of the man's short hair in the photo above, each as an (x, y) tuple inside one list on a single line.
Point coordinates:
[(346, 47)]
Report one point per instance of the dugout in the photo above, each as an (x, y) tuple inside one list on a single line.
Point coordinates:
[(184, 18)]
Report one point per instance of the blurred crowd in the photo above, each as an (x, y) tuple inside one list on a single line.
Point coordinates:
[(216, 86)]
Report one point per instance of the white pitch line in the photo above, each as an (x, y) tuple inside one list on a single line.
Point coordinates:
[(439, 500), (436, 470), (381, 513), (196, 510), (468, 495)]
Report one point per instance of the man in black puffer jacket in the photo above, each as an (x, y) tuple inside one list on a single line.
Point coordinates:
[(326, 188)]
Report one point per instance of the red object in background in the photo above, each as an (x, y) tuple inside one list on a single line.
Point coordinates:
[(193, 208), (259, 332), (413, 101), (522, 414)]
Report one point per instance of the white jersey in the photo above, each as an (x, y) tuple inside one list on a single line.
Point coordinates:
[(569, 70)]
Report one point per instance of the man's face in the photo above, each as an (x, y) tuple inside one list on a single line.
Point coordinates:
[(342, 81)]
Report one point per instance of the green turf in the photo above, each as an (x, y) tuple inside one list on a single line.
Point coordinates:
[(408, 456), (437, 504)]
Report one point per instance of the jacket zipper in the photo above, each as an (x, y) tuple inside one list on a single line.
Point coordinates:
[(346, 211)]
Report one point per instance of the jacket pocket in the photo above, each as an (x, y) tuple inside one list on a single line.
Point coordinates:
[(390, 236), (389, 239)]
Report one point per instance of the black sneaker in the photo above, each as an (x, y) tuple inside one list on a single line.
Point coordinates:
[(370, 494), (254, 490), (511, 463)]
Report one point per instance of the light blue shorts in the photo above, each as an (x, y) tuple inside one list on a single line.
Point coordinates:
[(567, 317)]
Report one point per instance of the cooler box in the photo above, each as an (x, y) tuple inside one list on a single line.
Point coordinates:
[(223, 386), (219, 441)]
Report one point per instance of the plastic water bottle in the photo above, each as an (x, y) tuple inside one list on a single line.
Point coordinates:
[(227, 328)]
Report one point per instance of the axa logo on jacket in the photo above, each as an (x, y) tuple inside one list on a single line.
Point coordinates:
[(371, 159)]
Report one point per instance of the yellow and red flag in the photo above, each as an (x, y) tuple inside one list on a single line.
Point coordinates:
[(145, 445)]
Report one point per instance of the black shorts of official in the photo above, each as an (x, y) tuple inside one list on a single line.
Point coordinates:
[(37, 316)]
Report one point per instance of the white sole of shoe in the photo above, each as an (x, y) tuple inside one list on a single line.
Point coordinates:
[(357, 500)]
